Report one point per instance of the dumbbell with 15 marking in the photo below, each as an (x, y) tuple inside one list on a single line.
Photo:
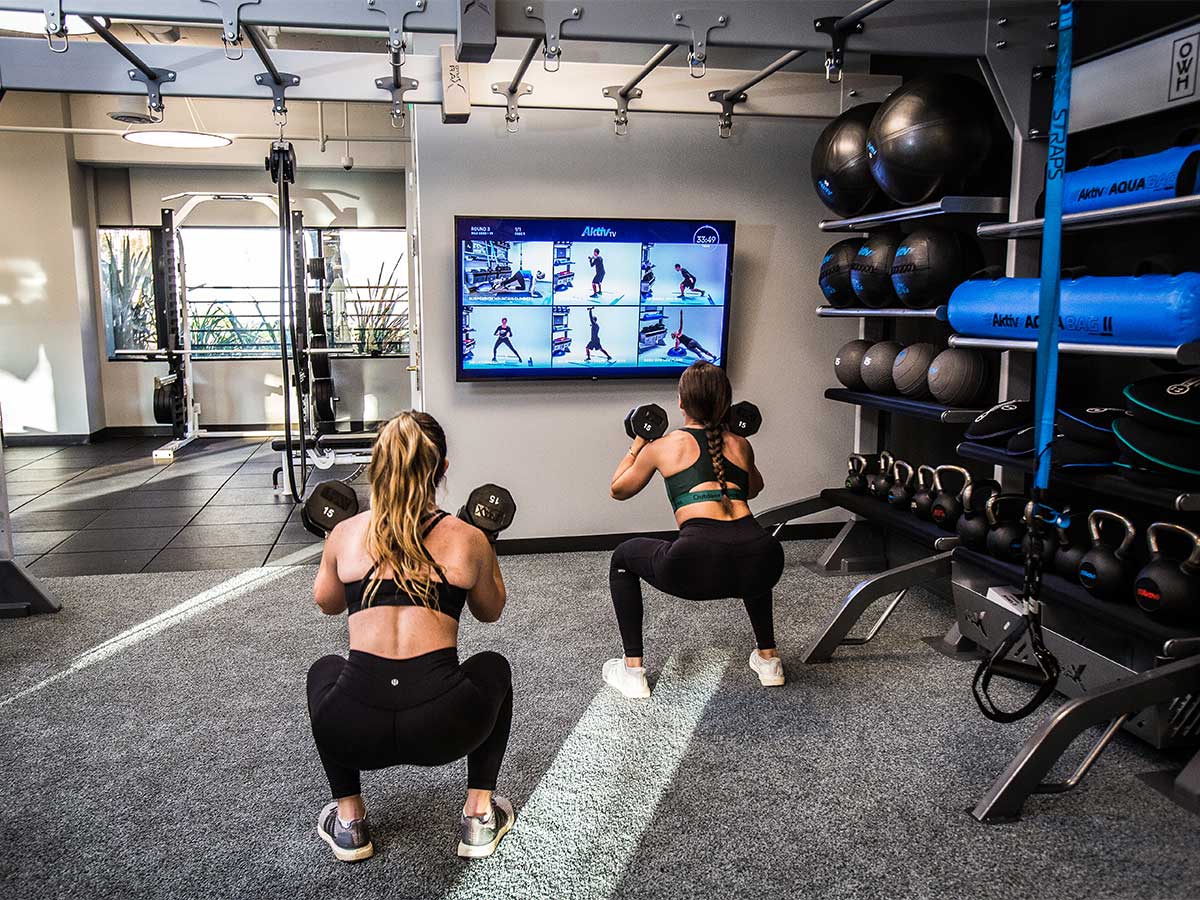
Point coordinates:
[(650, 422)]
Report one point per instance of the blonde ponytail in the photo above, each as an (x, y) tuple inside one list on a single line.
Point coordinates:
[(406, 466)]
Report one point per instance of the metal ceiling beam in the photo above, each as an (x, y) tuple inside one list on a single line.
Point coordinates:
[(912, 27), (27, 65)]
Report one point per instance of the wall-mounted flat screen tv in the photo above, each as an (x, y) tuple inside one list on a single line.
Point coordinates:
[(590, 298)]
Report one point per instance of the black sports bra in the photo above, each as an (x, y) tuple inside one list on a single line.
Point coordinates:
[(450, 597)]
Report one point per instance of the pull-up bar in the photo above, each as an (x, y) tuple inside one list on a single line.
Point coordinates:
[(849, 21), (655, 61), (526, 60), (622, 94), (149, 76), (838, 28), (278, 81), (264, 54)]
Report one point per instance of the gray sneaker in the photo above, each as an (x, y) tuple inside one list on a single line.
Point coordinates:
[(349, 843), (479, 835)]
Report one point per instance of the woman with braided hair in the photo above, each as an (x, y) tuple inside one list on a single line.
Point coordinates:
[(720, 550)]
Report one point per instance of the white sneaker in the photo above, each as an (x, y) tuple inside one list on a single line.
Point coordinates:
[(630, 682), (769, 671)]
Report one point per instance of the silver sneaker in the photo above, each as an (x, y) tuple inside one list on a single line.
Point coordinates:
[(479, 835), (350, 842)]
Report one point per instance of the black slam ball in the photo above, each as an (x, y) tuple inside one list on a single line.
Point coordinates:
[(835, 272), (871, 272), (847, 364), (877, 366), (958, 376), (841, 171), (910, 371), (930, 263), (929, 137)]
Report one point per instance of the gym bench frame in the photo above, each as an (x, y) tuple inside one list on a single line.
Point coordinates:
[(895, 580)]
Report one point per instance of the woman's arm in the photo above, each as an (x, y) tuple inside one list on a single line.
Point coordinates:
[(328, 590), (635, 470), (756, 479), (487, 597)]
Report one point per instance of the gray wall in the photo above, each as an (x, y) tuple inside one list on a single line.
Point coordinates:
[(48, 375), (556, 444)]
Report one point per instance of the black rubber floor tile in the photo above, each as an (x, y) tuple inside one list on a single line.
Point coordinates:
[(55, 501), (250, 514), (96, 539), (20, 476), (104, 563), (146, 498), (36, 543), (247, 496), (188, 559), (55, 520), (26, 561), (294, 532), (146, 517), (295, 555), (234, 535), (176, 481)]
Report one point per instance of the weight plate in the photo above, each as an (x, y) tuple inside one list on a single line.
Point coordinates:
[(319, 361), (323, 399), (316, 316), (164, 406)]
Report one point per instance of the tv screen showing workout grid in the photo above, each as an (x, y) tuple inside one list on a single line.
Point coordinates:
[(591, 298)]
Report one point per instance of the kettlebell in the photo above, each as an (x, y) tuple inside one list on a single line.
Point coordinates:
[(880, 482), (972, 525), (856, 473), (1103, 571), (947, 507), (899, 494), (922, 499), (1005, 518), (1068, 555), (1167, 587)]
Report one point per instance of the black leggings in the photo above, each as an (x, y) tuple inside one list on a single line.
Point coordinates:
[(708, 560), (505, 342), (370, 712)]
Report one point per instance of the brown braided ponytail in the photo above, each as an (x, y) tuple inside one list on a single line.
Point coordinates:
[(705, 395)]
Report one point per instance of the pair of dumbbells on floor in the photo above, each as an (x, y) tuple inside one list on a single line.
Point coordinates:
[(489, 507)]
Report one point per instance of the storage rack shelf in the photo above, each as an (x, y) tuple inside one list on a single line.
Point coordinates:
[(978, 207), (834, 312), (1185, 354), (902, 406), (1101, 483), (1134, 213)]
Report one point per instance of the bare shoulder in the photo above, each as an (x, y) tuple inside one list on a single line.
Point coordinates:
[(350, 530)]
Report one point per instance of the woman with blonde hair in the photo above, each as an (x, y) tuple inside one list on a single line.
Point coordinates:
[(404, 570)]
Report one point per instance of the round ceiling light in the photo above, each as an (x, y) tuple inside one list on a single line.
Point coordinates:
[(179, 140)]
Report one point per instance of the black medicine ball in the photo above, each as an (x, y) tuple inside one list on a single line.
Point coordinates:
[(910, 371), (847, 364), (958, 376), (871, 272), (835, 272), (877, 366), (929, 136), (841, 171), (930, 263)]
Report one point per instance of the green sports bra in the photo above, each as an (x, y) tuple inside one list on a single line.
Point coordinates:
[(679, 485)]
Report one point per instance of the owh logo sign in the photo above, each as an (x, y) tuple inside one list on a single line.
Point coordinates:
[(1182, 80)]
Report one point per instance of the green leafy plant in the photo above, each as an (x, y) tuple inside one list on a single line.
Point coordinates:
[(376, 318), (216, 328), (127, 288)]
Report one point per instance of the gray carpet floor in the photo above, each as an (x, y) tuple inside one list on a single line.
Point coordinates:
[(181, 764)]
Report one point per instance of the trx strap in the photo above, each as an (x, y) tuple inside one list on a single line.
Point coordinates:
[(1044, 671), (282, 166)]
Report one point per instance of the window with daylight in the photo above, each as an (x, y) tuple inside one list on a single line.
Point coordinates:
[(127, 287), (232, 281), (366, 289)]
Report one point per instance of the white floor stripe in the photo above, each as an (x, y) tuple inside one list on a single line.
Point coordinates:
[(213, 597), (581, 827)]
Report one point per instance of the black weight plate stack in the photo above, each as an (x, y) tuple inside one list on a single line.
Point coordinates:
[(164, 405), (324, 400), (319, 361)]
